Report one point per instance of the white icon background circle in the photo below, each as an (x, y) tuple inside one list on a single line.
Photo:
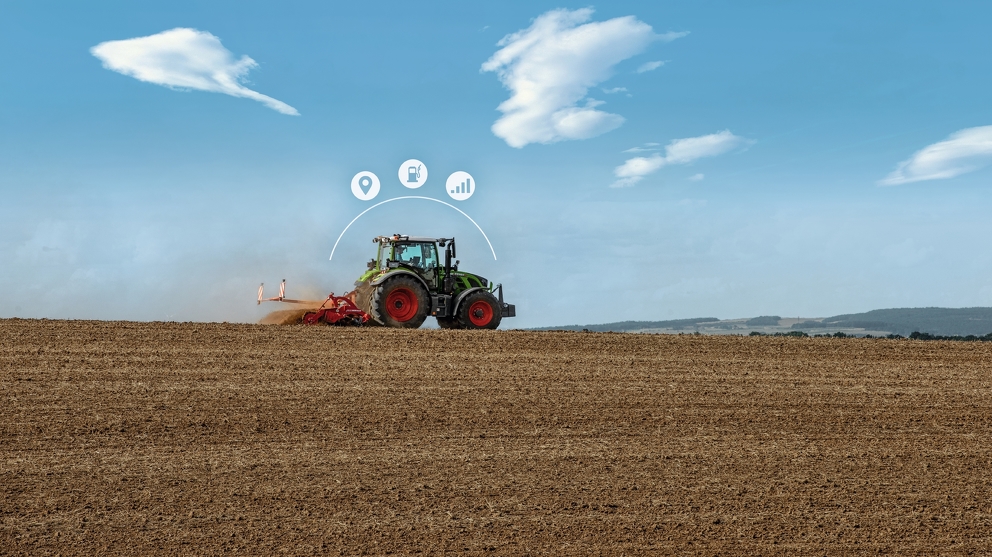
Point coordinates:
[(365, 185), (460, 186), (413, 173)]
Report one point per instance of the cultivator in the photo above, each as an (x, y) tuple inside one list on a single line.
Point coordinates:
[(336, 310)]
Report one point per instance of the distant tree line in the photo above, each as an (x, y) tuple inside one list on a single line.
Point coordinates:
[(915, 335), (800, 334), (621, 326)]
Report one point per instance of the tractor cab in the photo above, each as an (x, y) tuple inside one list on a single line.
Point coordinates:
[(418, 255), (407, 281)]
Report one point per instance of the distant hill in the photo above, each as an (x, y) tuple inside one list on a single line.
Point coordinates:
[(903, 321), (763, 321), (622, 326)]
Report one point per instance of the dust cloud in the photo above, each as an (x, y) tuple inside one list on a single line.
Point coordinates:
[(290, 316)]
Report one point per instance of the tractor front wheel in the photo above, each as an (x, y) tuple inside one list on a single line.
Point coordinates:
[(400, 302), (480, 310)]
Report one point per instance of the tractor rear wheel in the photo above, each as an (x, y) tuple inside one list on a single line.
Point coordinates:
[(400, 302), (480, 310)]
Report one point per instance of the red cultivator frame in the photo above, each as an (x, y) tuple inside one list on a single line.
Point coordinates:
[(336, 310)]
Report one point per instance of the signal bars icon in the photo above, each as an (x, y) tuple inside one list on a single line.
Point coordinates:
[(460, 185), (464, 187)]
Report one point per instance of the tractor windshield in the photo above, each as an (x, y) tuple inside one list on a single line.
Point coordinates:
[(422, 255), (385, 254)]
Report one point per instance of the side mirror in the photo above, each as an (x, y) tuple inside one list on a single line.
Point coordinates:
[(371, 264)]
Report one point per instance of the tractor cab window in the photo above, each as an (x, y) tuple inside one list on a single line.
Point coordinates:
[(430, 256), (420, 255), (385, 250)]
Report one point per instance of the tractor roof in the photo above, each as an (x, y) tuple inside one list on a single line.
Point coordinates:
[(403, 238)]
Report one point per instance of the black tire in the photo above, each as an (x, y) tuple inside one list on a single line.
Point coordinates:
[(480, 310), (449, 323), (400, 302), (363, 296)]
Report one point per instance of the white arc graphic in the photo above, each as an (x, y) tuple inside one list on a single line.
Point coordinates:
[(411, 197)]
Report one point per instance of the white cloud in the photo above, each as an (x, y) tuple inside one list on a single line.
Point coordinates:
[(684, 151), (184, 58), (615, 90), (550, 66), (679, 151), (964, 151), (649, 66), (647, 148), (671, 36), (697, 177)]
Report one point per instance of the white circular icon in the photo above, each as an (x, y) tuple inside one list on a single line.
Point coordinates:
[(365, 185), (413, 173), (460, 186)]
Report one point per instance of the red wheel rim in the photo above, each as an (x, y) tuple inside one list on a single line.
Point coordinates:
[(480, 313), (402, 304)]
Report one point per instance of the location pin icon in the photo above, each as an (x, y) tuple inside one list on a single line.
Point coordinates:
[(365, 185)]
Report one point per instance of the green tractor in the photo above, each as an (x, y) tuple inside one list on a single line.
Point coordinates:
[(407, 281)]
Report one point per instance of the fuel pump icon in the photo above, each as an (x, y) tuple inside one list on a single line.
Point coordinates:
[(412, 173)]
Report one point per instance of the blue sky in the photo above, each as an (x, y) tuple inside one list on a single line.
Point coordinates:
[(786, 158)]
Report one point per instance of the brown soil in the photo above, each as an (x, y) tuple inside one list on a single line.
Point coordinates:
[(137, 438), (286, 316)]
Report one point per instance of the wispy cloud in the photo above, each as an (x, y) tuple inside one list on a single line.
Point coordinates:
[(615, 90), (184, 58), (672, 35), (649, 66), (696, 177), (679, 151), (964, 151), (646, 148), (550, 66)]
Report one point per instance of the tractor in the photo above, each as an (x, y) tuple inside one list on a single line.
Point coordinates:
[(405, 283)]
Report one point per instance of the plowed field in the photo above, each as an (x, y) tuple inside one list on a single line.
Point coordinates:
[(137, 438)]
